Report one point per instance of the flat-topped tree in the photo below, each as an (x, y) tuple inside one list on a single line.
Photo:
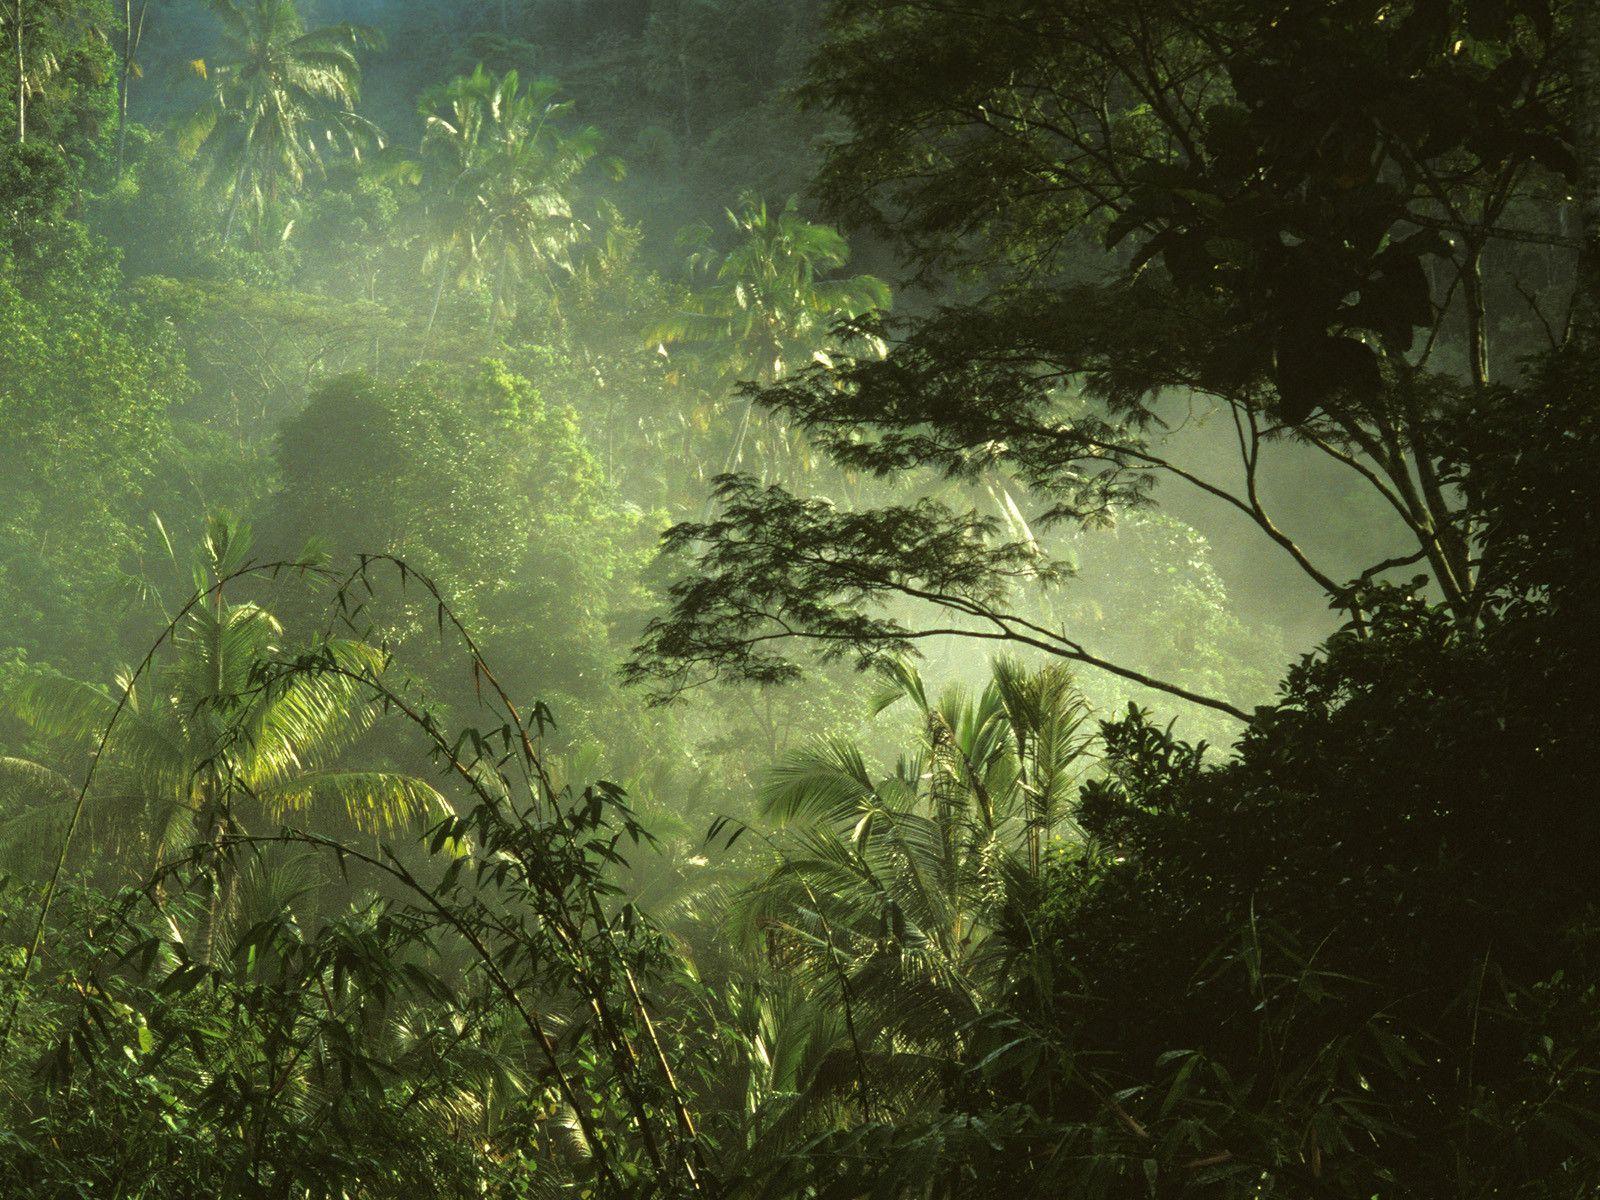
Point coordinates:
[(1298, 215)]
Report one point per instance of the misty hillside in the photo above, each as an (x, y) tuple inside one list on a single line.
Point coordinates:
[(799, 599)]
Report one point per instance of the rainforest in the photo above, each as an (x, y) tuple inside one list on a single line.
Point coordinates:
[(799, 599)]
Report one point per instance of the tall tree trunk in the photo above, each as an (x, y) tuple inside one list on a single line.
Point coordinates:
[(216, 819), (233, 206), (1585, 326), (499, 294), (205, 934), (735, 456), (438, 295), (123, 83), (22, 73), (216, 906), (687, 92), (372, 299), (132, 35), (736, 451), (216, 909), (1477, 316)]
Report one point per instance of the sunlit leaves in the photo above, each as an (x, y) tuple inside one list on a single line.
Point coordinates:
[(282, 97)]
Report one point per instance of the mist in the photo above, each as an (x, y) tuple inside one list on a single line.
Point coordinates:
[(786, 598)]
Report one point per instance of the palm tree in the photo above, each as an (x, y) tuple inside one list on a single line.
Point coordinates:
[(771, 302), (33, 30), (282, 97), (134, 13), (898, 896), (453, 145), (502, 174), (204, 747)]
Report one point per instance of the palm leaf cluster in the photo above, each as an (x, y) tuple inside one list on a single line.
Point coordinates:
[(900, 899), (283, 100), (34, 34), (207, 743), (767, 304), (501, 173), (772, 298)]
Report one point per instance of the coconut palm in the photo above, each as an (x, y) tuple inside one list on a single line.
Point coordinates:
[(898, 895), (770, 302), (32, 30), (283, 97), (208, 744), (502, 175), (453, 145)]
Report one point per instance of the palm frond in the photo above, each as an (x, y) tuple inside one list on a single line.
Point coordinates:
[(826, 780), (375, 801), (60, 709), (24, 783), (77, 717), (303, 717), (914, 893)]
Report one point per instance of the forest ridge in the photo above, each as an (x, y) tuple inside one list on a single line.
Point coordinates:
[(799, 599)]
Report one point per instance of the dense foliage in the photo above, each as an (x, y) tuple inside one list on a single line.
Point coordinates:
[(806, 601)]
